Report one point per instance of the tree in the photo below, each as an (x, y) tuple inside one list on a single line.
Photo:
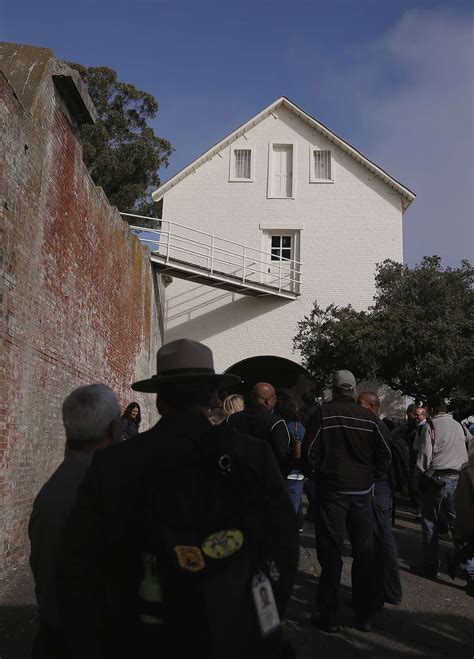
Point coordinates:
[(334, 338), (417, 337), (121, 151)]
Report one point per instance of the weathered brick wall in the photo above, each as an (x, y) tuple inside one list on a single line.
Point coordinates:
[(80, 303)]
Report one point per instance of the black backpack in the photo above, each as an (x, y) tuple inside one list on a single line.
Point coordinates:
[(399, 470), (205, 538)]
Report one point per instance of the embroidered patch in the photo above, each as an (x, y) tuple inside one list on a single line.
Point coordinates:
[(190, 558), (223, 543)]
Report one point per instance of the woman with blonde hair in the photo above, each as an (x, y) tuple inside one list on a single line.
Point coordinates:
[(232, 404)]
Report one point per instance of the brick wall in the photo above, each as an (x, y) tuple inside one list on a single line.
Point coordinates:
[(79, 304)]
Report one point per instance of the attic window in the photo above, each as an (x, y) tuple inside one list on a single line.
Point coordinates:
[(320, 166), (241, 165)]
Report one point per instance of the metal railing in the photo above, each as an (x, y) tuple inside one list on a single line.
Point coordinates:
[(176, 243)]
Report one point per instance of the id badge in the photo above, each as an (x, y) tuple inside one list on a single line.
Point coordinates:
[(267, 611)]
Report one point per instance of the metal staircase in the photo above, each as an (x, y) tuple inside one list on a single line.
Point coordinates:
[(204, 258)]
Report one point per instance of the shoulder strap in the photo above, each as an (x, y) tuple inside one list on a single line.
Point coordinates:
[(431, 431), (466, 432)]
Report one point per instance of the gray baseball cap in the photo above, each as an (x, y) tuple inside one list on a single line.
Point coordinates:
[(344, 380)]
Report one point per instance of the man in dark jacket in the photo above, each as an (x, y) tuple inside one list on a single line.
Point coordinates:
[(463, 530), (386, 547), (119, 586), (259, 420), (309, 407), (345, 452), (91, 416)]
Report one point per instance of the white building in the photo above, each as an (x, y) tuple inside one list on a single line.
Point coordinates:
[(285, 185)]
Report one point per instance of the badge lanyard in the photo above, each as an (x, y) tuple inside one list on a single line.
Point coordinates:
[(267, 611)]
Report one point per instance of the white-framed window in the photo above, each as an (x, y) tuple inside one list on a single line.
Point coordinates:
[(281, 247), (320, 166), (281, 179), (241, 164)]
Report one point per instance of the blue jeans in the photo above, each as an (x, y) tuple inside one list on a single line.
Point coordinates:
[(385, 545), (334, 513), (437, 510), (295, 490)]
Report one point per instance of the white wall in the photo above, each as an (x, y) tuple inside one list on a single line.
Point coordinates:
[(346, 228)]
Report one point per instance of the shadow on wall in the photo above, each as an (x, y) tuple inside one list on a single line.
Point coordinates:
[(201, 325)]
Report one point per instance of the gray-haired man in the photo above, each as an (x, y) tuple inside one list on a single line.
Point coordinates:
[(91, 417)]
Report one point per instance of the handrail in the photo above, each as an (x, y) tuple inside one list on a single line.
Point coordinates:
[(214, 255), (203, 233), (219, 249)]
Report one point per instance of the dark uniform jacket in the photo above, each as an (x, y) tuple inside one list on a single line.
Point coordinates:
[(258, 421), (343, 448), (99, 580), (50, 512)]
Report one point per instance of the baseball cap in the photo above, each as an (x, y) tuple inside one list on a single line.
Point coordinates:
[(344, 380)]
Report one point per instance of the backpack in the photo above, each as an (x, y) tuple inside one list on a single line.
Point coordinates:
[(206, 554), (399, 470)]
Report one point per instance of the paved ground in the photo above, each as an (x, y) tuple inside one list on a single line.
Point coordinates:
[(436, 619)]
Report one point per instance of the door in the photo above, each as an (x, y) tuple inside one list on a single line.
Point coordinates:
[(281, 184), (282, 269)]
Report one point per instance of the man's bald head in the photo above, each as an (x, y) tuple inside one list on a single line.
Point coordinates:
[(370, 400), (264, 393)]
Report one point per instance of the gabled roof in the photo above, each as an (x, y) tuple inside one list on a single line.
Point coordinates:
[(407, 195)]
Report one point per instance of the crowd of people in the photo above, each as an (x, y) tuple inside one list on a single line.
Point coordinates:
[(184, 538)]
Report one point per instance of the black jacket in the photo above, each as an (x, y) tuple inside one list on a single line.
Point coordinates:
[(258, 421), (101, 542), (343, 448), (51, 509), (128, 427)]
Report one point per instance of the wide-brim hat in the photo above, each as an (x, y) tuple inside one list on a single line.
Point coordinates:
[(185, 361)]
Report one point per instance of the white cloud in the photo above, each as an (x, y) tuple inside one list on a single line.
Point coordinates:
[(415, 89)]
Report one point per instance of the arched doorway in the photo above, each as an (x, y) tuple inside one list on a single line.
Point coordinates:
[(282, 373)]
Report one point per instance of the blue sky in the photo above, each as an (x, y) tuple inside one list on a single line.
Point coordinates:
[(395, 78)]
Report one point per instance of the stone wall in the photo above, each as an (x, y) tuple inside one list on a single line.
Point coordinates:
[(80, 303)]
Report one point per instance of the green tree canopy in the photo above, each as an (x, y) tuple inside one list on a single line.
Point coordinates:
[(417, 337), (121, 151)]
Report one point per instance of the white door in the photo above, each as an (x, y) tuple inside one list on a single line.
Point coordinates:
[(282, 271), (281, 185)]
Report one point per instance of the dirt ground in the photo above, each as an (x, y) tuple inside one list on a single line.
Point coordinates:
[(435, 619)]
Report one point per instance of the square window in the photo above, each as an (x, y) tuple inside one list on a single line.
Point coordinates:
[(241, 165), (281, 248), (320, 165)]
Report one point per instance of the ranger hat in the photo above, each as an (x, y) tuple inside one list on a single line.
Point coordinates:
[(344, 380), (184, 361)]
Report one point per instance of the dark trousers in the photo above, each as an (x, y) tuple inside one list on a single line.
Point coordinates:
[(437, 512), (336, 512), (386, 551), (49, 644), (309, 489)]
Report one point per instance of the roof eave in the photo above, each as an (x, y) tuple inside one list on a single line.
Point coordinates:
[(407, 195)]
